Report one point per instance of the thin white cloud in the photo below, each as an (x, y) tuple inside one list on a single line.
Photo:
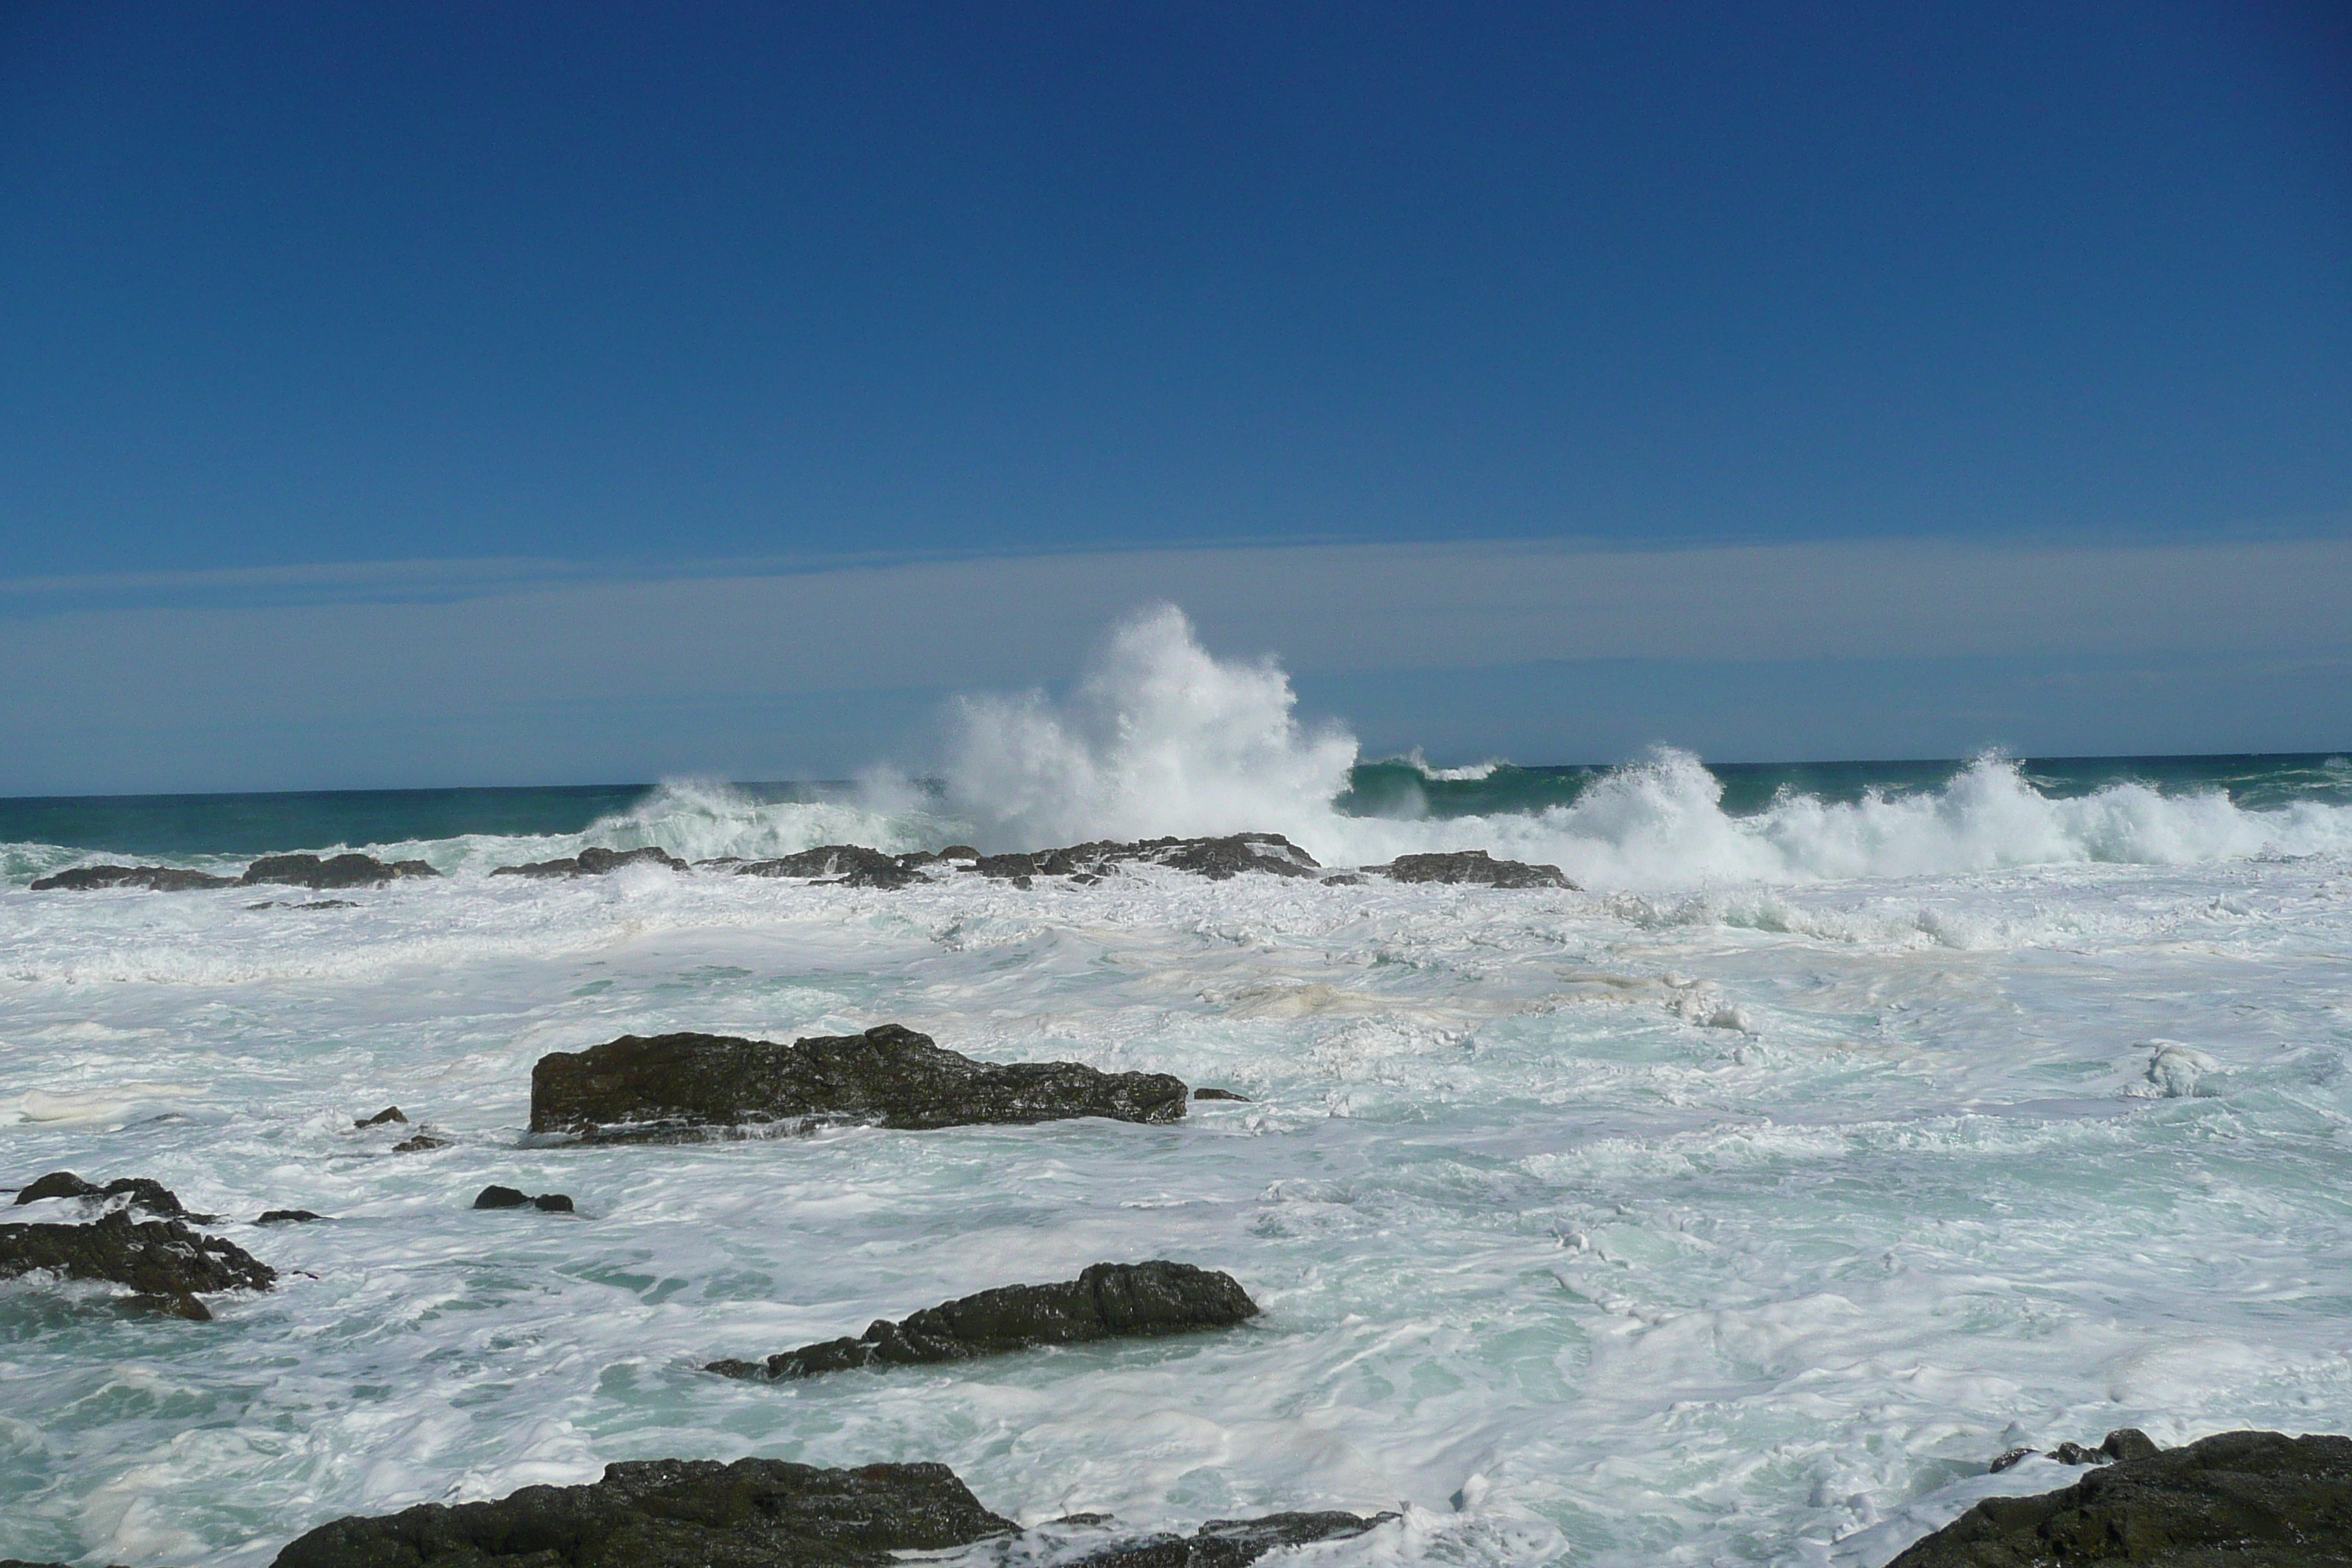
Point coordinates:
[(1322, 608)]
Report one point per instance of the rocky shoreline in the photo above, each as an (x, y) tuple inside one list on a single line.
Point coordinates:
[(857, 865)]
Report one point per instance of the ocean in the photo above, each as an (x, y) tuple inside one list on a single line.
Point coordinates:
[(1851, 1124)]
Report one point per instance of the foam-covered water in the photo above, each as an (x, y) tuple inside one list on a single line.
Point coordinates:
[(1737, 1208)]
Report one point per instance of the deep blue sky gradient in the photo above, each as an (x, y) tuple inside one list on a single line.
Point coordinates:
[(324, 283)]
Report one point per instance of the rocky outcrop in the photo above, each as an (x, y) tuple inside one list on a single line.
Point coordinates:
[(1220, 1094), (155, 878), (388, 1113), (1109, 1300), (686, 1086), (851, 865), (661, 1513), (288, 1216), (151, 1195), (1215, 858), (514, 1199), (595, 863), (2236, 1500), (156, 1256), (351, 870), (1230, 1542), (1471, 866), (2123, 1443)]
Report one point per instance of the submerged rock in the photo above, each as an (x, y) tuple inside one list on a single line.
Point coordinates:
[(351, 870), (1471, 866), (2263, 1499), (288, 1216), (686, 1085), (155, 879), (667, 1513), (1231, 1543), (156, 1256), (496, 1197), (1220, 1094), (1109, 1300), (388, 1113), (151, 1195), (421, 1144), (595, 863)]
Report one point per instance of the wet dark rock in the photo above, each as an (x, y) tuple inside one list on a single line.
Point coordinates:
[(1231, 1543), (177, 1304), (1109, 1300), (422, 1143), (155, 878), (2236, 1500), (595, 863), (351, 870), (852, 865), (1345, 880), (1220, 1094), (325, 904), (156, 1256), (669, 1513), (388, 1113), (1215, 858), (958, 852), (2123, 1443), (686, 1085), (1471, 866), (496, 1197), (288, 1216), (151, 1195)]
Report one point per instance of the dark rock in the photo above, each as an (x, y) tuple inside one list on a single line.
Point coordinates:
[(1471, 866), (673, 1086), (554, 1203), (501, 1198), (1220, 1094), (852, 865), (288, 1216), (424, 1143), (388, 1113), (151, 1196), (1109, 1300), (1215, 858), (56, 1184), (1231, 1543), (325, 904), (2010, 1460), (958, 852), (595, 863), (2123, 1443), (179, 1304), (156, 1256), (351, 870), (671, 1513), (155, 879), (1345, 880), (2236, 1500)]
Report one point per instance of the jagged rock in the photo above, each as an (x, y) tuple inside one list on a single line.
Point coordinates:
[(1109, 1300), (669, 1513), (155, 879), (349, 870), (156, 1256), (1220, 1094), (151, 1195), (686, 1085), (422, 1143), (1231, 1543), (2123, 1443), (288, 1216), (853, 864), (595, 863), (2236, 1500), (388, 1113), (1471, 865), (1215, 858), (510, 1198)]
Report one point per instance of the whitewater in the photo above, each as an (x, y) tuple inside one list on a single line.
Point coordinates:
[(1737, 1206)]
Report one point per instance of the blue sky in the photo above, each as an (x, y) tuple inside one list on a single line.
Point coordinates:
[(310, 311)]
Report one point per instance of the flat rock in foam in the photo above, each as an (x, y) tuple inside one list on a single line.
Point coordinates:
[(1474, 867), (2236, 1500), (335, 871), (155, 1257), (595, 863), (1109, 1300), (688, 1085), (155, 878)]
